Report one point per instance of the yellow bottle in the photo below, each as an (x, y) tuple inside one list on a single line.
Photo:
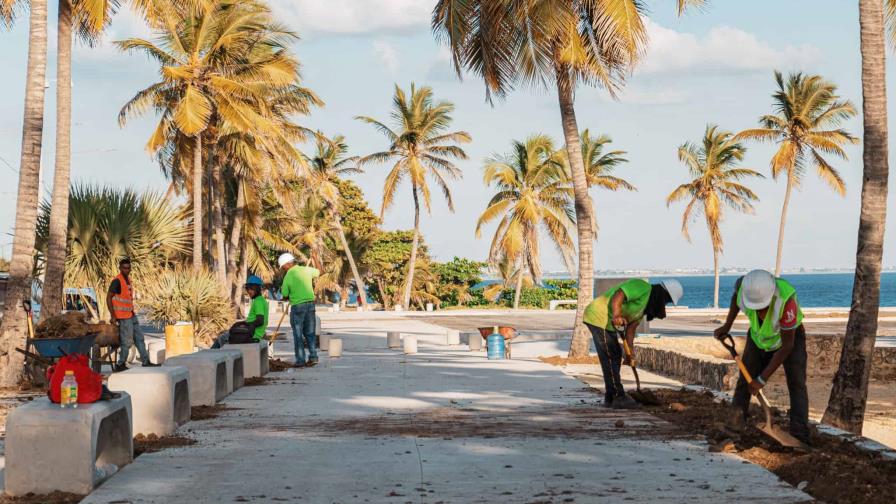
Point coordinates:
[(69, 391)]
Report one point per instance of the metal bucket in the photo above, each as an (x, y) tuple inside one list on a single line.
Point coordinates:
[(495, 343)]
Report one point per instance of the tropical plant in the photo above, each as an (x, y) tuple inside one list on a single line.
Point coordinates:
[(184, 295), (218, 66), (558, 44), (849, 394), (805, 126), (533, 193), (20, 271), (106, 225), (715, 184), (422, 148), (387, 259), (331, 161), (456, 278), (599, 168)]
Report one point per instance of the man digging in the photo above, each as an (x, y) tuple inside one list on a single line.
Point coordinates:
[(776, 337), (298, 288)]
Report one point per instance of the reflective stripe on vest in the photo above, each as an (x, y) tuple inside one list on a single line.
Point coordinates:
[(123, 303), (767, 335)]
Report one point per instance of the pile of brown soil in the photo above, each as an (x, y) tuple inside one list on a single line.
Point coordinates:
[(255, 381), (152, 443), (279, 365), (556, 360), (52, 498), (208, 412), (67, 325), (832, 471)]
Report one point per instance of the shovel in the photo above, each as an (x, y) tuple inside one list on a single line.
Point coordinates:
[(645, 397), (274, 336), (768, 428)]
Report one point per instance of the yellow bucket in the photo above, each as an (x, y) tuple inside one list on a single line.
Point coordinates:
[(178, 339)]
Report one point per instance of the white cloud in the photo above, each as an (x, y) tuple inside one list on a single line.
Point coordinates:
[(724, 48), (387, 54), (353, 16)]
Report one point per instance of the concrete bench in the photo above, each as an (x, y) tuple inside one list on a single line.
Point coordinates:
[(208, 376), (235, 367), (52, 449), (156, 350), (552, 305), (255, 358), (160, 397)]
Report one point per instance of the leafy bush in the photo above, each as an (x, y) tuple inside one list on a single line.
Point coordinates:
[(181, 294), (456, 277), (540, 297)]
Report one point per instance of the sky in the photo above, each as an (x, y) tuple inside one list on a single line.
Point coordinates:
[(712, 66)]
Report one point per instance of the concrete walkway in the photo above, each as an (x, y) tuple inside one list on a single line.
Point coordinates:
[(445, 425)]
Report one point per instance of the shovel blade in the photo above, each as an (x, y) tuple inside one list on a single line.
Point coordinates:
[(645, 397), (781, 436)]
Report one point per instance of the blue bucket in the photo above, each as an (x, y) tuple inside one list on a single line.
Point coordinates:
[(495, 343)]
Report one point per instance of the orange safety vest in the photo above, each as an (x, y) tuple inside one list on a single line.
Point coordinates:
[(123, 303)]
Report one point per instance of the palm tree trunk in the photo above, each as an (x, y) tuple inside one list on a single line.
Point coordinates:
[(715, 270), (54, 278), (581, 338), (197, 202), (849, 395), (236, 237), (519, 288), (413, 261), (780, 255), (20, 270), (359, 283), (218, 226)]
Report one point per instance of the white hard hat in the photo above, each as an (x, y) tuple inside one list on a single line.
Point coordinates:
[(674, 288), (758, 287), (285, 259)]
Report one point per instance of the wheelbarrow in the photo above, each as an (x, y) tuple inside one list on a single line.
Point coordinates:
[(41, 353), (508, 332)]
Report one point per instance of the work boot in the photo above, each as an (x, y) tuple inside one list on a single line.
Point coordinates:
[(624, 402), (298, 365), (311, 363), (118, 368)]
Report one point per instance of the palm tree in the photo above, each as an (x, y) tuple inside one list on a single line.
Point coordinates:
[(715, 184), (217, 64), (330, 162), (532, 192), (599, 168), (805, 126), (558, 44), (90, 18), (849, 394), (19, 287), (421, 147)]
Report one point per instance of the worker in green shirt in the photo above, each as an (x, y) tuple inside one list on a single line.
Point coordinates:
[(622, 308), (298, 288), (253, 328)]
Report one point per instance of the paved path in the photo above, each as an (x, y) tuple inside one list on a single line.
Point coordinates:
[(445, 425)]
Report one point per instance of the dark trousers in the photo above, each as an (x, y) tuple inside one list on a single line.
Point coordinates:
[(756, 360), (302, 319), (609, 352)]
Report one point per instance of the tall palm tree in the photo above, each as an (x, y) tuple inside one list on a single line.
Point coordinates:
[(533, 192), (90, 18), (329, 162), (557, 43), (849, 394), (805, 126), (209, 75), (422, 148), (19, 287), (715, 184)]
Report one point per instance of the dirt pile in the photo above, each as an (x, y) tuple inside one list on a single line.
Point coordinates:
[(75, 325), (556, 360), (277, 365), (52, 498), (208, 412), (153, 443), (255, 381), (832, 471)]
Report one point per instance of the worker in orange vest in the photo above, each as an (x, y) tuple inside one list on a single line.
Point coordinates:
[(120, 301)]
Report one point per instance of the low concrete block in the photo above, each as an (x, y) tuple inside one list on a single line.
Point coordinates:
[(255, 358), (208, 376), (335, 348), (393, 340), (156, 350), (235, 368), (474, 340), (453, 337), (53, 449), (410, 344), (324, 340), (160, 397), (317, 325)]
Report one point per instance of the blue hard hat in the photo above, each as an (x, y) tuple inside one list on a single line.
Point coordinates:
[(254, 280)]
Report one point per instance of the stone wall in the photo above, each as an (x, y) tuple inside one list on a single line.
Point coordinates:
[(687, 367), (824, 357)]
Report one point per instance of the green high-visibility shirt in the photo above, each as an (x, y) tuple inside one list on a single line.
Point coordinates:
[(298, 284), (259, 306), (637, 293)]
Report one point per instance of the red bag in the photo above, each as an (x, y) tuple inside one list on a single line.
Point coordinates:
[(90, 383)]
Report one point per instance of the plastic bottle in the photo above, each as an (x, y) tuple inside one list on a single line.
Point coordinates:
[(69, 391)]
